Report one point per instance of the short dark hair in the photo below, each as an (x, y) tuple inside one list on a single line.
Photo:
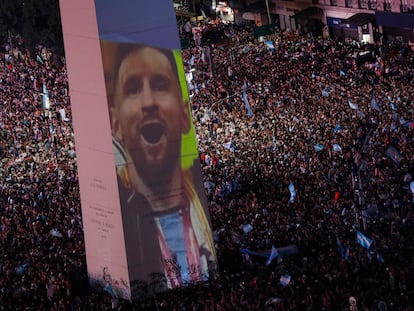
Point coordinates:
[(124, 49)]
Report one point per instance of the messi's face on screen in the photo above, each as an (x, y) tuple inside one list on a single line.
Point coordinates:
[(150, 115)]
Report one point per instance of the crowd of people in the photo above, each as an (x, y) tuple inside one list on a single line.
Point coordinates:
[(303, 144)]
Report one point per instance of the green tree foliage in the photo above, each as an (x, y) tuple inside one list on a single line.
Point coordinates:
[(37, 21)]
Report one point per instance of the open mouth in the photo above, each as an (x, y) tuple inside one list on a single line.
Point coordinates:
[(153, 132)]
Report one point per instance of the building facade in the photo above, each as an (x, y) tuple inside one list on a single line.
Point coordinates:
[(362, 20)]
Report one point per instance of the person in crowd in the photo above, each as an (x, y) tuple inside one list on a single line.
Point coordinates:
[(337, 127)]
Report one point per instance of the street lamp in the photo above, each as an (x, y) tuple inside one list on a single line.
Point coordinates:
[(268, 12)]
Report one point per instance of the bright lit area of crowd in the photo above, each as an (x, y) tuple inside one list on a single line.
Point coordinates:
[(307, 152)]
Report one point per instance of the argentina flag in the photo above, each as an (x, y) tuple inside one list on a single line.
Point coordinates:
[(292, 191), (363, 240), (352, 105), (273, 254), (46, 102), (375, 105), (318, 147), (336, 148), (246, 104)]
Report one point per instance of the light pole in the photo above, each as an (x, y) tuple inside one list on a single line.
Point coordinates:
[(268, 13), (210, 61)]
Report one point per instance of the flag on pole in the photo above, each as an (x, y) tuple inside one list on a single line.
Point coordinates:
[(292, 191), (361, 114), (380, 258), (247, 228), (346, 254), (336, 148), (363, 240), (46, 102), (246, 104), (270, 45), (273, 255), (39, 59), (340, 247), (273, 300), (62, 112), (375, 105), (405, 123), (318, 147), (56, 233), (22, 268), (109, 289), (337, 128), (285, 279), (229, 145), (352, 105)]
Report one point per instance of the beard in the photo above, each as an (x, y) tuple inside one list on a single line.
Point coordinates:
[(156, 171)]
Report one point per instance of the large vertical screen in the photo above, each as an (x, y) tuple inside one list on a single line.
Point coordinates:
[(160, 232)]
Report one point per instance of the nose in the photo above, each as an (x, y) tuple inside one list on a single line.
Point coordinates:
[(149, 101)]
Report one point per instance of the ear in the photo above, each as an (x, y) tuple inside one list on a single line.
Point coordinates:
[(115, 125), (186, 125)]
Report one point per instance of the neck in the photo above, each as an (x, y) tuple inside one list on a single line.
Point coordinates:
[(163, 195)]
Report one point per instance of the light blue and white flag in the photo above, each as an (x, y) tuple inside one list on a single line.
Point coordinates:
[(393, 108), (394, 154), (318, 147), (363, 240), (342, 73), (270, 45), (346, 254), (405, 123), (56, 233), (340, 247), (352, 105), (22, 268), (246, 104), (273, 255), (39, 59), (273, 300), (336, 148), (337, 128), (229, 145), (380, 258), (46, 102), (247, 228), (292, 191), (285, 279), (325, 93), (375, 105), (109, 289)]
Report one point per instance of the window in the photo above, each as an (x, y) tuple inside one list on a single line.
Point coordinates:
[(387, 5), (404, 6), (334, 2), (373, 4), (363, 4), (348, 3)]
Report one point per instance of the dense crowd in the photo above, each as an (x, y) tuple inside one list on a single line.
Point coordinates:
[(307, 141)]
